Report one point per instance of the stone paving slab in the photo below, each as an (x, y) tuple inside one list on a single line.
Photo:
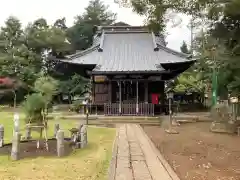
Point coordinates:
[(135, 158), (140, 170)]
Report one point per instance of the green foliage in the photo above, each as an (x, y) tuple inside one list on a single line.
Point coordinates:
[(189, 82), (25, 52), (76, 106), (61, 24), (33, 107), (42, 37), (16, 59), (76, 85), (37, 104), (47, 87), (82, 32), (157, 11), (97, 13)]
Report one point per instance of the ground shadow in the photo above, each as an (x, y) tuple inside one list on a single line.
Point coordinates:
[(29, 149)]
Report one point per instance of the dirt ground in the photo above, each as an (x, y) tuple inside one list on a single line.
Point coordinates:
[(197, 154), (29, 149)]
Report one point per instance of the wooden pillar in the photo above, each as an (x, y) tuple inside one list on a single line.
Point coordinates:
[(110, 91), (146, 92), (120, 96), (93, 90), (137, 97)]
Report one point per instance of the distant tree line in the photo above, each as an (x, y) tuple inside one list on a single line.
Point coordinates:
[(25, 51)]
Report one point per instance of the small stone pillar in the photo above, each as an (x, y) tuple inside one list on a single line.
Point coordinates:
[(83, 134), (60, 143), (28, 133), (56, 129), (1, 136), (16, 146)]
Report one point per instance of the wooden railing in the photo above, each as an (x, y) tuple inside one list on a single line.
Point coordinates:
[(114, 109)]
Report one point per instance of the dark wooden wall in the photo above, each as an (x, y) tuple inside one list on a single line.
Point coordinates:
[(100, 93), (107, 91)]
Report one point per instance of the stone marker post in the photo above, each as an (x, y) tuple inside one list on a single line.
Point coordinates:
[(1, 136), (16, 123), (16, 146), (60, 143), (83, 136), (56, 129), (28, 133)]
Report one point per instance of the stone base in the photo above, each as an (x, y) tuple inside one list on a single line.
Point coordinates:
[(175, 123), (171, 131), (223, 127), (15, 156), (26, 138), (78, 145), (83, 144)]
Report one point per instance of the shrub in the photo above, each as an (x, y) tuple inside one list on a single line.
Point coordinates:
[(33, 107), (76, 106)]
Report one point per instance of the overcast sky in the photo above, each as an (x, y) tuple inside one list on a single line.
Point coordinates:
[(29, 10)]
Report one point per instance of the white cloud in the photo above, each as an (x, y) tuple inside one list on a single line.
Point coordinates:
[(29, 10)]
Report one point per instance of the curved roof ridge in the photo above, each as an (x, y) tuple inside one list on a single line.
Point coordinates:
[(100, 48), (84, 52), (174, 52)]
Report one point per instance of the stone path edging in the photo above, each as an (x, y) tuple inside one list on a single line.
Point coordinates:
[(166, 165), (113, 163)]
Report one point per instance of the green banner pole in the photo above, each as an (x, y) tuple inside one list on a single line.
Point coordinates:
[(214, 87)]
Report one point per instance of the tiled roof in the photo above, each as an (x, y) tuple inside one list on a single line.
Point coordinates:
[(128, 51)]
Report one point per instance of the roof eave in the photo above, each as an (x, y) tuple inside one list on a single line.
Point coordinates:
[(126, 72)]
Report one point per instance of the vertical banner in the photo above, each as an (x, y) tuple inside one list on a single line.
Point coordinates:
[(214, 88)]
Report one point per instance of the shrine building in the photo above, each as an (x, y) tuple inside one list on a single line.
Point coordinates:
[(128, 67)]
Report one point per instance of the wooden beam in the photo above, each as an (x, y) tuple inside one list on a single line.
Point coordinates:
[(93, 89), (137, 108), (146, 92), (109, 91), (120, 96)]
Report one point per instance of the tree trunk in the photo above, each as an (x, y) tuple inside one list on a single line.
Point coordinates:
[(69, 99)]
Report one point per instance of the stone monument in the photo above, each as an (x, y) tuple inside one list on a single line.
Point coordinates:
[(16, 146), (28, 133), (1, 136), (56, 129), (83, 134), (60, 143), (16, 123)]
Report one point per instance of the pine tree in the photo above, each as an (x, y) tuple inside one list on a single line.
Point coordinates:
[(96, 14), (16, 59)]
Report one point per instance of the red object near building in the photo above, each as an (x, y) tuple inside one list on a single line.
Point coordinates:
[(155, 98), (6, 81)]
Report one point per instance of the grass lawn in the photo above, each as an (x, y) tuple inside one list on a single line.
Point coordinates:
[(89, 164)]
